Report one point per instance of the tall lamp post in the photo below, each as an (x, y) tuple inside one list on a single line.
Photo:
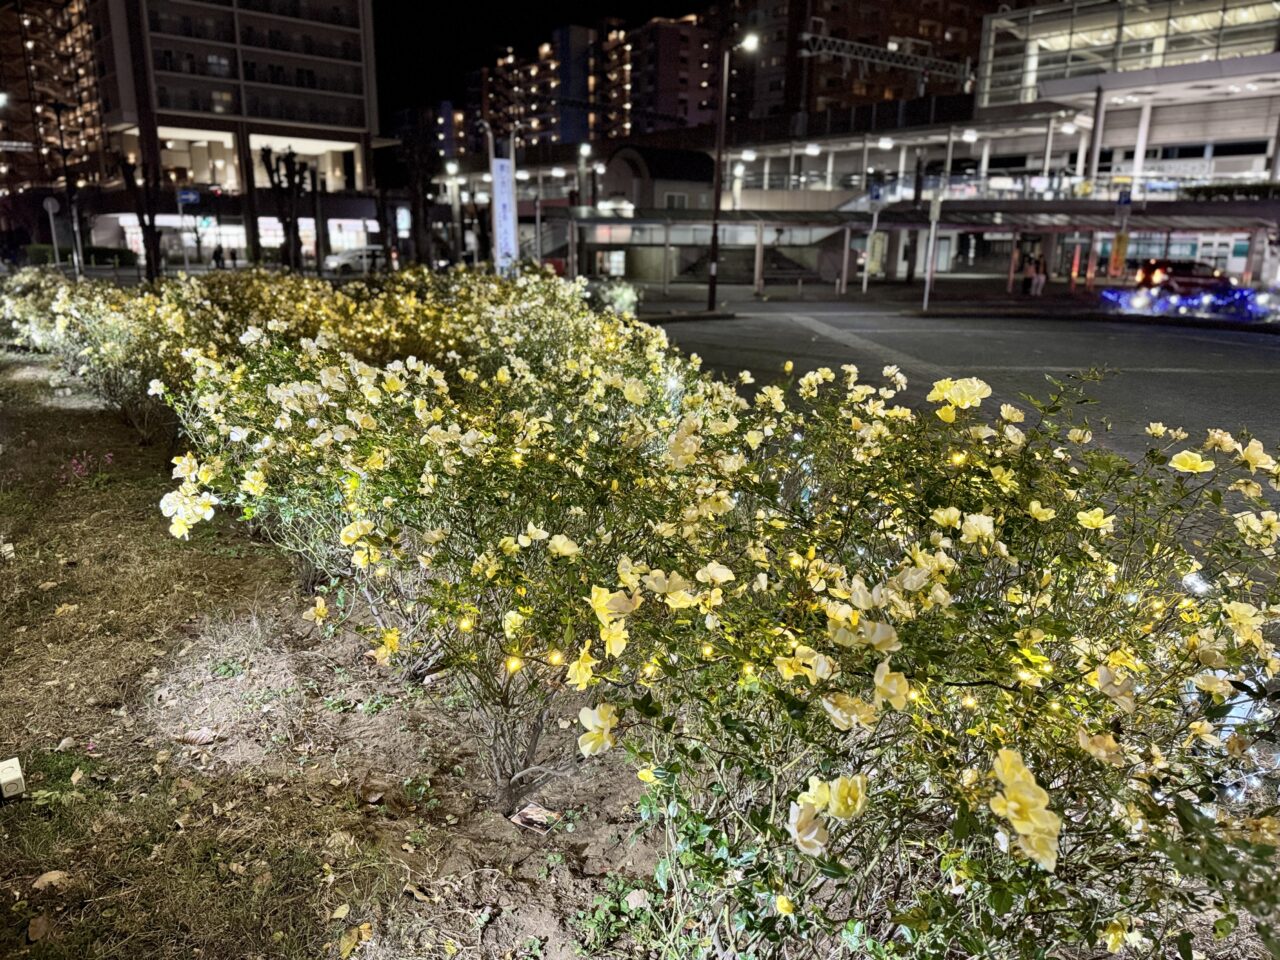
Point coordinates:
[(77, 257), (455, 207), (750, 43)]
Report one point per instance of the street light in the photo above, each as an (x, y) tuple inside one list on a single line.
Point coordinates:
[(748, 156), (750, 43), (885, 143), (580, 182), (77, 258), (970, 135), (455, 205)]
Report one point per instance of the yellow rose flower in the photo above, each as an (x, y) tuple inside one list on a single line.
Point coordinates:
[(1041, 513), (599, 723), (1096, 519), (847, 796), (890, 686), (1189, 461)]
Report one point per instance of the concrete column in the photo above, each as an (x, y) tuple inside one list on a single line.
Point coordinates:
[(946, 164), (831, 169), (1030, 70), (759, 263), (1082, 153), (1275, 153), (791, 166), (984, 162), (766, 174), (1257, 254), (866, 161), (892, 254), (666, 257), (902, 167), (1095, 138), (1048, 148), (573, 249), (1140, 147), (1013, 262), (844, 260), (1049, 250), (1091, 268)]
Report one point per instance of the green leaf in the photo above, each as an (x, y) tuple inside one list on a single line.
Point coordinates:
[(1224, 926), (1001, 900), (661, 872)]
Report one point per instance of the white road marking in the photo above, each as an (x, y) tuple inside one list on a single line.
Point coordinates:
[(877, 352)]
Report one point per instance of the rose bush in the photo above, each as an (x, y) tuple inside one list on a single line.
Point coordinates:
[(943, 680)]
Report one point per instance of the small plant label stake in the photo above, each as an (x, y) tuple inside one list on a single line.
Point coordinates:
[(535, 817), (12, 784)]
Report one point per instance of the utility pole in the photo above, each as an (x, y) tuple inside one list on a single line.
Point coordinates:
[(750, 43), (77, 253)]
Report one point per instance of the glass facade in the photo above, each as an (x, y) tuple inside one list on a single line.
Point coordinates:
[(1023, 48)]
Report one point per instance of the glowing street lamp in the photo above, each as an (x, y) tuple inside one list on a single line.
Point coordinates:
[(750, 44)]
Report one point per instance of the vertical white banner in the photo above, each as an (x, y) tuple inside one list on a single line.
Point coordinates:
[(506, 242)]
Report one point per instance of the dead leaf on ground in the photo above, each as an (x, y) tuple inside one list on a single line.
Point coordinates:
[(411, 889), (352, 937), (198, 738), (66, 608), (65, 744), (340, 913), (58, 879), (48, 584), (39, 928), (77, 776)]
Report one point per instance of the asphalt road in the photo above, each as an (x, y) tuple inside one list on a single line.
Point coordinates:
[(1181, 376)]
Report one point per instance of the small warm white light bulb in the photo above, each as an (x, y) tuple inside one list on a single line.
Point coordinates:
[(751, 42)]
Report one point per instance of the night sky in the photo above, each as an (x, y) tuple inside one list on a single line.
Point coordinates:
[(425, 48)]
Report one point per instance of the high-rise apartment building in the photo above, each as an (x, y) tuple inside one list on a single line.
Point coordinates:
[(194, 88), (49, 95), (659, 76), (547, 98)]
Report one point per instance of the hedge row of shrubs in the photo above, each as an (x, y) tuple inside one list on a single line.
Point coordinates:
[(935, 679)]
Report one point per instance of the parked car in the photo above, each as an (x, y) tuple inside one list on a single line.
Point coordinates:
[(356, 260), (1180, 276)]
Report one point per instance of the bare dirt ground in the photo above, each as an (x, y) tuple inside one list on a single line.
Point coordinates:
[(211, 776)]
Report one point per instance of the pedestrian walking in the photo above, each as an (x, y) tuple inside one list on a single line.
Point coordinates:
[(218, 260), (1041, 277), (1028, 273), (233, 258)]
